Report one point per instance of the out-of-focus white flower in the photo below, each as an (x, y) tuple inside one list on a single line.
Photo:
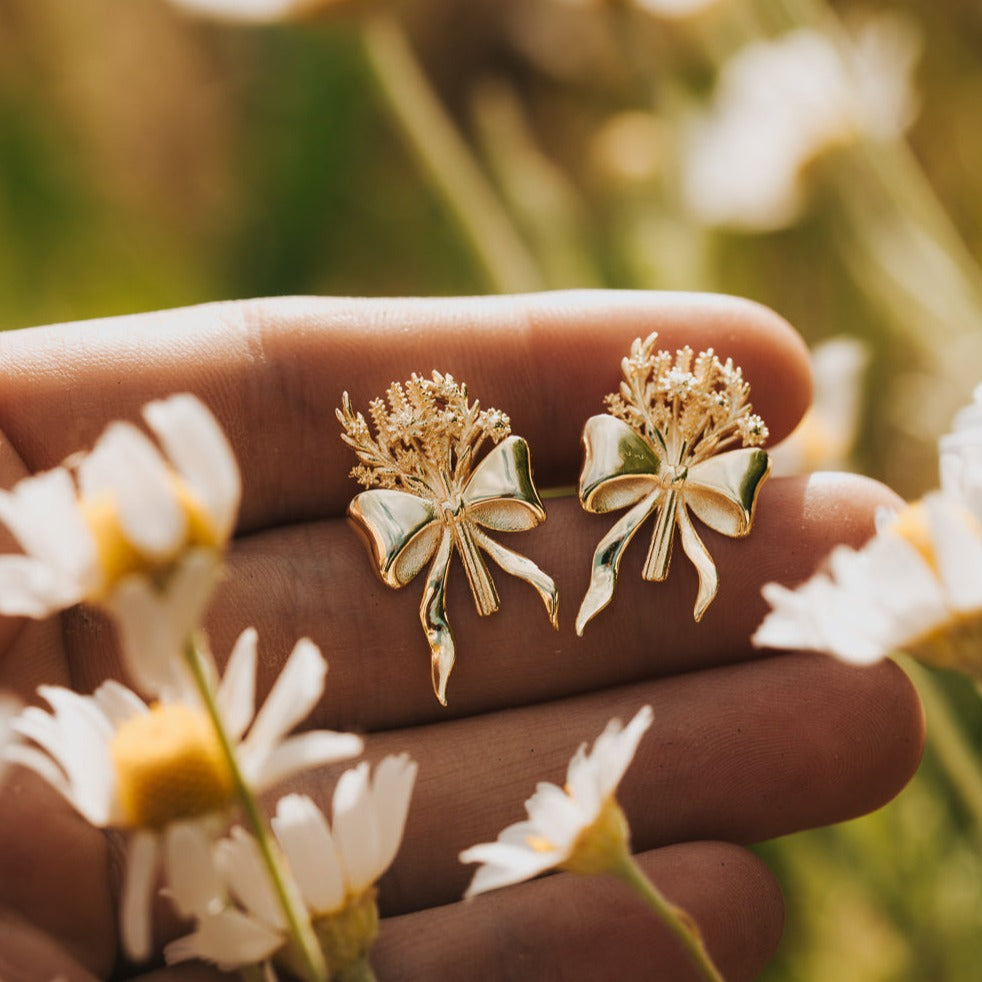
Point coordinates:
[(666, 9), (915, 586), (10, 706), (960, 453), (780, 104), (579, 828), (252, 11), (152, 769), (824, 438), (334, 869), (675, 9), (130, 529), (629, 148)]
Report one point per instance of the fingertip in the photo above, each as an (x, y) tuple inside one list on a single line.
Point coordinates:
[(587, 927), (895, 732), (591, 329), (733, 896), (800, 519)]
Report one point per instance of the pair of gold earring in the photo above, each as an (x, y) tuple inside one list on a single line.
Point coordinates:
[(667, 446)]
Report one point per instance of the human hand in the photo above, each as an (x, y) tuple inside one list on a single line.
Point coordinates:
[(744, 746)]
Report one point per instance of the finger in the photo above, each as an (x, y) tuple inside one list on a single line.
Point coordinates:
[(576, 928), (740, 753), (189, 972), (273, 371), (28, 954), (43, 838), (315, 580)]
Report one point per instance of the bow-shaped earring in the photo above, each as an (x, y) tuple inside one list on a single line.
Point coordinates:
[(429, 496), (659, 451)]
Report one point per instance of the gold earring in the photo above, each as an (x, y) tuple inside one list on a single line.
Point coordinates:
[(429, 496), (664, 447)]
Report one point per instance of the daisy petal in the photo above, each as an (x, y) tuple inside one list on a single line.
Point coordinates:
[(356, 827), (297, 753), (127, 467), (138, 882), (504, 865), (615, 747), (306, 838), (552, 809), (29, 588), (43, 515), (236, 695), (200, 451), (117, 702), (229, 939), (34, 760), (958, 551), (392, 786), (193, 882), (154, 625), (247, 877), (293, 696)]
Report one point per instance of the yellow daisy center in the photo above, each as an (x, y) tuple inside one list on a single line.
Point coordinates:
[(602, 845), (912, 525), (118, 556), (169, 766)]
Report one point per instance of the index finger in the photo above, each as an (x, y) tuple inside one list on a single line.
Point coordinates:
[(273, 372)]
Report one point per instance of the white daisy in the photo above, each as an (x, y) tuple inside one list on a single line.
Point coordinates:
[(579, 828), (334, 866), (252, 11), (152, 770), (960, 455), (825, 437), (915, 586), (782, 103), (131, 529)]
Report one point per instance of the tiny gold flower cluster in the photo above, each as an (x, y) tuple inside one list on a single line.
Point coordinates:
[(691, 407), (427, 438)]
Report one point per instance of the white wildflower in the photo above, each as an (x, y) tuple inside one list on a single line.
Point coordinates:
[(825, 437), (781, 104), (130, 529), (915, 586), (579, 828), (252, 11), (152, 770), (334, 867)]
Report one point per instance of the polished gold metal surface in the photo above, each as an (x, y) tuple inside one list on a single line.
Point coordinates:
[(663, 449), (429, 496)]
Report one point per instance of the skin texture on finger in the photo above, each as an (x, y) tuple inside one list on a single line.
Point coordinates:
[(315, 580), (53, 872), (273, 372), (27, 954), (740, 753), (583, 928)]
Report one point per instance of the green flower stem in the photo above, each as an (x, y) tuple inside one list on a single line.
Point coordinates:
[(946, 739), (674, 918), (307, 948), (446, 158)]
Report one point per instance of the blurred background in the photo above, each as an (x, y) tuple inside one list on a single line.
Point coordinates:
[(822, 159)]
